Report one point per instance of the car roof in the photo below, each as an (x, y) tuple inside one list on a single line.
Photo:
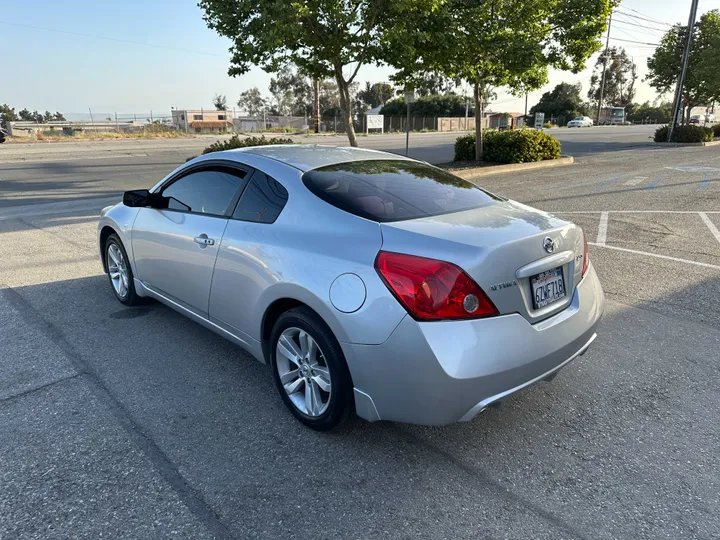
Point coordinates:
[(306, 157)]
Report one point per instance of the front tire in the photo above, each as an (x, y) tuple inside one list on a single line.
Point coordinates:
[(309, 370), (120, 272)]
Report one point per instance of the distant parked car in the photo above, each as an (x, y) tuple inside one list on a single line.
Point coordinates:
[(697, 119), (581, 121), (709, 118)]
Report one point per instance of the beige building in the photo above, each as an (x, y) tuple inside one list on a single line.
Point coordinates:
[(202, 120)]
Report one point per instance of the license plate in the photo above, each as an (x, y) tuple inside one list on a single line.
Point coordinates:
[(547, 287)]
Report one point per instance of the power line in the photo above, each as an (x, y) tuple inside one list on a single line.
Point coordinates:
[(645, 18), (106, 38), (644, 29), (633, 41)]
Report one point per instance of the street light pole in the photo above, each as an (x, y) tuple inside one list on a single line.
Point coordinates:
[(605, 59), (677, 103)]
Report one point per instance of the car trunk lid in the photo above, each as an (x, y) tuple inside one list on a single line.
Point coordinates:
[(502, 246)]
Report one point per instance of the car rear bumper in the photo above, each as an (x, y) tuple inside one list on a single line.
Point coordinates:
[(442, 372)]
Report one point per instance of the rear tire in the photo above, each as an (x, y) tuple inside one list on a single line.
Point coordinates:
[(309, 370), (120, 272)]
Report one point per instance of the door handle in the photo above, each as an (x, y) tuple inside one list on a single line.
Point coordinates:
[(203, 240)]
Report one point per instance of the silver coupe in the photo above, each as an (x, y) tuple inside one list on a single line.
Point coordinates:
[(369, 283)]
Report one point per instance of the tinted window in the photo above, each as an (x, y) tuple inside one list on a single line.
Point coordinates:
[(394, 190), (262, 201), (205, 192)]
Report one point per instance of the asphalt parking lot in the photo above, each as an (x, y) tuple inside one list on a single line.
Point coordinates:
[(137, 423)]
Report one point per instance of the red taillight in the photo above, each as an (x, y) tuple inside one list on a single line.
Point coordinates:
[(431, 290), (586, 256)]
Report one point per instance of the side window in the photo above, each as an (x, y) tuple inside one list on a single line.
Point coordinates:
[(213, 191), (262, 201)]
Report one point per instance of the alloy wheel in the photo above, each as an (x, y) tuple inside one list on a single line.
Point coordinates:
[(303, 371), (117, 268)]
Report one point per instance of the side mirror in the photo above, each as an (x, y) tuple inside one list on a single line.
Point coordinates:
[(136, 198)]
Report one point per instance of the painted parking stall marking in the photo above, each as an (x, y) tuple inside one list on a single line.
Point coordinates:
[(666, 231)]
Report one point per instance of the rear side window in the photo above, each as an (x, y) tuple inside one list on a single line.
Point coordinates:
[(262, 201), (394, 190)]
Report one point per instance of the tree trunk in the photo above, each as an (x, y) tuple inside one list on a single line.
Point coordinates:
[(344, 90), (478, 98)]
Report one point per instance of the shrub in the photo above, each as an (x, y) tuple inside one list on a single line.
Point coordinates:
[(685, 134), (236, 142), (516, 146), (716, 130), (547, 125)]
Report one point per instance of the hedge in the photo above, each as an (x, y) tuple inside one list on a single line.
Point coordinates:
[(716, 129), (685, 134), (236, 142), (512, 146)]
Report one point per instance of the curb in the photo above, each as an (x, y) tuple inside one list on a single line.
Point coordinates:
[(489, 170), (674, 144)]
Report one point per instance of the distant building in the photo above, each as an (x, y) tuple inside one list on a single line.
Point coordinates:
[(202, 120), (506, 120)]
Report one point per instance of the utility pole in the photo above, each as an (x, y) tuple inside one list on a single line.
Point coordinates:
[(316, 106), (526, 96), (605, 59), (677, 103)]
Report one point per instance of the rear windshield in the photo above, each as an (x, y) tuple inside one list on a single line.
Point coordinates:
[(394, 190)]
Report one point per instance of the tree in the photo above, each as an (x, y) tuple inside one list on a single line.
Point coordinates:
[(26, 116), (658, 113), (433, 83), (59, 117), (620, 77), (511, 44), (323, 38), (376, 94), (702, 81), (220, 102), (451, 105), (7, 114), (252, 102), (564, 100)]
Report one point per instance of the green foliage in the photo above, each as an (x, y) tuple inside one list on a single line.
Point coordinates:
[(564, 100), (512, 146), (702, 83), (685, 134), (660, 113), (236, 142), (716, 130), (620, 77), (322, 38), (428, 106), (220, 102), (510, 44), (7, 114), (547, 125), (252, 102), (376, 94)]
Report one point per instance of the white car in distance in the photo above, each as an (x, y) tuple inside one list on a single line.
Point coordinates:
[(580, 121)]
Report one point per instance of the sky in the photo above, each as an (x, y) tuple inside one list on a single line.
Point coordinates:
[(138, 56)]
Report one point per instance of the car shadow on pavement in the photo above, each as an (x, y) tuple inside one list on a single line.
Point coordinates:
[(620, 445)]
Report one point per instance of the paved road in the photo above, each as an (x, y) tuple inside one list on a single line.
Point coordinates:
[(47, 172), (137, 423)]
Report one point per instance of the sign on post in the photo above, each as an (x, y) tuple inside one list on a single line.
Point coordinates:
[(374, 121), (409, 98), (539, 120)]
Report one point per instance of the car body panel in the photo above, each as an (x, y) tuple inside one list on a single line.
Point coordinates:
[(168, 259), (492, 244), (299, 258), (402, 369), (454, 365)]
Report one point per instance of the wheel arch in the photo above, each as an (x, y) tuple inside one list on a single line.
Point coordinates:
[(105, 233)]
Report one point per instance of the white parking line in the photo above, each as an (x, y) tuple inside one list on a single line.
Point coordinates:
[(666, 257), (602, 229), (62, 207), (633, 212), (710, 225)]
